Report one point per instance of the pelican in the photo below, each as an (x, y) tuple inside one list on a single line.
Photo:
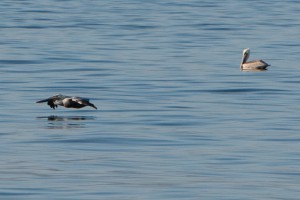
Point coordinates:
[(67, 102), (252, 65)]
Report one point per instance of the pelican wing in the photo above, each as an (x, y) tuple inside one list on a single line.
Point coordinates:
[(44, 100), (53, 98), (50, 102), (255, 64)]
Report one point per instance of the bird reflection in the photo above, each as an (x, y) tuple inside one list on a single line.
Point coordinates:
[(65, 122), (253, 70), (67, 118)]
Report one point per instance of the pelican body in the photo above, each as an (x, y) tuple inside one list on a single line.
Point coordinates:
[(252, 65), (67, 102)]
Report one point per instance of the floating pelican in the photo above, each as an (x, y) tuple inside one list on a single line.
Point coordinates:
[(252, 65), (67, 102)]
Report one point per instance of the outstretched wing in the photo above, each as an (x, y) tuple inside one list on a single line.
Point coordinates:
[(50, 102)]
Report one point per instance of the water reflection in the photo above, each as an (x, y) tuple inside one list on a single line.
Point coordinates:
[(66, 118), (253, 70), (65, 122)]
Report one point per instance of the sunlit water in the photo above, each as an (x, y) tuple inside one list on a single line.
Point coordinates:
[(177, 119)]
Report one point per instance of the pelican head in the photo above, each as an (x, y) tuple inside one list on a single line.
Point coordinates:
[(246, 54)]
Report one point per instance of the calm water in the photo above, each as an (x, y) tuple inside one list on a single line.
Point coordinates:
[(177, 118)]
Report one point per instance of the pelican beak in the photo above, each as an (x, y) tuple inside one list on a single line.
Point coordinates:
[(244, 58), (92, 105), (95, 107)]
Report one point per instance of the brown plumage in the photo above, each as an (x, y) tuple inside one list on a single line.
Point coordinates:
[(67, 102), (252, 65)]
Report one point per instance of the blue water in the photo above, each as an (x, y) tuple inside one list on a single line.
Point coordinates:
[(177, 119)]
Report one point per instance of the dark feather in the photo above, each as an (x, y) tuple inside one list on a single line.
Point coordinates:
[(51, 104)]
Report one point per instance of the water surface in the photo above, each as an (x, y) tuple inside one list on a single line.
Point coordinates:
[(177, 119)]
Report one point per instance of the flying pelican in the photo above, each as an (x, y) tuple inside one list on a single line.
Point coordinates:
[(67, 102), (252, 65)]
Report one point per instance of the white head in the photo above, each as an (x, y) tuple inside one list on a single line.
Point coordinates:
[(246, 51), (246, 54)]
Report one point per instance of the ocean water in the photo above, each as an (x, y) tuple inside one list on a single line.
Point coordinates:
[(177, 119)]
